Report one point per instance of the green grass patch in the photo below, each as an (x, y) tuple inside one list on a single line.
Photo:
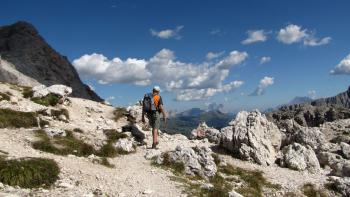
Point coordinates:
[(48, 100), (62, 145), (177, 167), (17, 119), (70, 145), (104, 161), (4, 96), (78, 130), (108, 150), (27, 92), (29, 172), (119, 112), (310, 190), (254, 180)]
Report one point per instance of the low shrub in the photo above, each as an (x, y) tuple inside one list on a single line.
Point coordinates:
[(29, 172), (78, 130), (27, 92), (4, 96), (310, 190), (56, 113), (16, 119), (48, 100), (62, 145), (108, 150), (119, 112)]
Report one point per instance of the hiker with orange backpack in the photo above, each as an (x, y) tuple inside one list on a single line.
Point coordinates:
[(152, 106)]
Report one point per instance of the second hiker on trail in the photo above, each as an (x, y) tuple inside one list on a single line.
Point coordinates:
[(152, 106)]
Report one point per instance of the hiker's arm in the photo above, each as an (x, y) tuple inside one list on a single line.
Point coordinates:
[(143, 112), (163, 111)]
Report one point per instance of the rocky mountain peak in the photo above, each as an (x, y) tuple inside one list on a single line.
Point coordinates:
[(22, 47)]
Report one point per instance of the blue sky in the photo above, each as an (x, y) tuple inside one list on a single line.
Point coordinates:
[(157, 35)]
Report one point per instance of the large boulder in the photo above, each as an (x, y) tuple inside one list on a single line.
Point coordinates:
[(310, 136), (196, 161), (299, 157), (341, 185), (203, 131), (60, 90), (252, 137)]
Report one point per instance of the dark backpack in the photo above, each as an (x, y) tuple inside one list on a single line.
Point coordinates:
[(148, 103)]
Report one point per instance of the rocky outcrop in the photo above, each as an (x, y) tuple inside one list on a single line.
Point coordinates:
[(312, 137), (36, 62), (342, 99), (314, 113), (299, 157), (252, 137), (59, 90), (203, 131), (196, 161)]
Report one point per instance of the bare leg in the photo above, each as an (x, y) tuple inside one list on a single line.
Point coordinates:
[(155, 136)]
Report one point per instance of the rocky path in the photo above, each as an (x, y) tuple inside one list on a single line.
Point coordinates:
[(132, 175)]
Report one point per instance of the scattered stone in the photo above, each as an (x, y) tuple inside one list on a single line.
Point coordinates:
[(152, 153), (147, 191), (299, 157), (124, 144), (207, 186), (341, 168), (252, 137), (62, 117), (328, 159), (66, 185), (52, 132), (345, 148), (233, 193)]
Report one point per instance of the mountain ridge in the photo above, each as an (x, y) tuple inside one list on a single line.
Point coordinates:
[(22, 46)]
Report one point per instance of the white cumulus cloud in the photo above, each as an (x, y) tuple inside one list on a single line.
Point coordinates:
[(311, 41), (189, 81), (198, 94), (255, 36), (234, 58), (263, 84), (343, 68), (295, 33), (214, 55), (265, 60), (291, 34), (113, 71), (168, 33)]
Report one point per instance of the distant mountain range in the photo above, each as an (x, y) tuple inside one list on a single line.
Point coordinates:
[(26, 55), (185, 121), (314, 113)]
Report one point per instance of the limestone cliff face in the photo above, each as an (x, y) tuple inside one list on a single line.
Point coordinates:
[(27, 52)]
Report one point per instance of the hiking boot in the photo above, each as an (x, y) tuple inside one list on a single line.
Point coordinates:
[(154, 146)]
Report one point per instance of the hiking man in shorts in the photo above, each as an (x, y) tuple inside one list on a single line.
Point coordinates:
[(152, 106)]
